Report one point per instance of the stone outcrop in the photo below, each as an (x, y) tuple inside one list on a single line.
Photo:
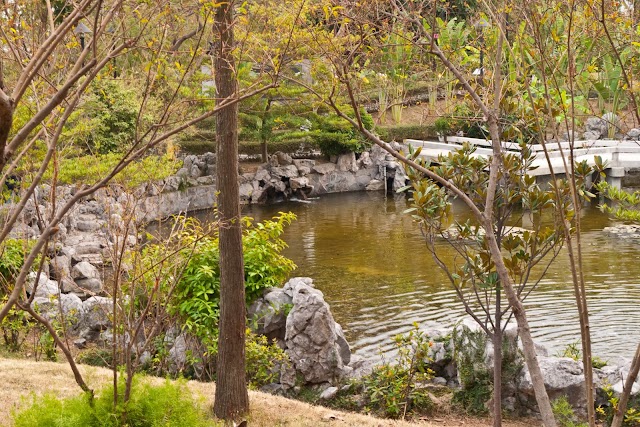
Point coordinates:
[(300, 319), (563, 376)]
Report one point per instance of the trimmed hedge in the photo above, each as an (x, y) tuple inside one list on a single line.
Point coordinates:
[(401, 132), (200, 146)]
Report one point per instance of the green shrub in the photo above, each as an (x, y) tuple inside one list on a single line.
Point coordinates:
[(16, 325), (394, 390), (197, 297), (106, 121), (564, 414), (96, 356), (476, 380), (335, 135), (574, 352), (264, 360), (167, 405)]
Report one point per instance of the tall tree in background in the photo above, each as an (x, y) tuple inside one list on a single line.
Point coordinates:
[(231, 397)]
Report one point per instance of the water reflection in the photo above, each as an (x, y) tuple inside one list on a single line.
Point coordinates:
[(370, 261)]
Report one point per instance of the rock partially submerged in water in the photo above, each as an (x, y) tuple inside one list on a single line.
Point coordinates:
[(625, 231)]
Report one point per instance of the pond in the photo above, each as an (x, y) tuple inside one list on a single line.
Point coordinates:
[(371, 263)]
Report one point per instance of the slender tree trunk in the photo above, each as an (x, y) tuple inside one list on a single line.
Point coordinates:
[(618, 416), (524, 331), (497, 362), (231, 397), (264, 133)]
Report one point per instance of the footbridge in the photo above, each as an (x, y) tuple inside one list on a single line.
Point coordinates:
[(619, 156)]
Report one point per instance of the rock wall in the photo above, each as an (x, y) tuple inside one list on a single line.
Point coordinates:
[(96, 224)]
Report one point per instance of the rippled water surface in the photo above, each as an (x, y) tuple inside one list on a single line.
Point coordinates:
[(370, 261)]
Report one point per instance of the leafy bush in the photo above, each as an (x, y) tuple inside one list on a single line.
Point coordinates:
[(394, 390), (564, 414), (15, 326), (106, 121), (96, 356), (197, 297), (167, 405), (335, 135), (475, 378), (75, 170), (573, 351), (264, 360)]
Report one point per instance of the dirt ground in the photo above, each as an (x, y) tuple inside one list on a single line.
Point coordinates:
[(20, 379)]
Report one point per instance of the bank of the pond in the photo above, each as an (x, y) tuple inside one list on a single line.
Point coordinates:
[(22, 378)]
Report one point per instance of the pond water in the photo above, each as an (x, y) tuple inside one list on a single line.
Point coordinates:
[(371, 263)]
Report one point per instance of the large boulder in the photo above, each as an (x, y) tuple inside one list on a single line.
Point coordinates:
[(563, 376), (304, 166), (45, 288), (312, 340), (49, 307), (61, 266), (597, 126), (95, 317), (289, 171), (324, 168), (347, 162), (85, 270), (614, 376)]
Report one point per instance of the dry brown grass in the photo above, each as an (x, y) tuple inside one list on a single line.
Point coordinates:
[(19, 378)]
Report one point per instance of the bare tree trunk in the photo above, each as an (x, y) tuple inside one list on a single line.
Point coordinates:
[(618, 416), (264, 133), (524, 331), (231, 397), (497, 362)]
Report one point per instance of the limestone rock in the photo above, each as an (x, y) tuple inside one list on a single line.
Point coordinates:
[(45, 288), (324, 168), (283, 158), (562, 377), (49, 307), (61, 266), (343, 345), (289, 171), (299, 182), (597, 126), (90, 286), (311, 337), (304, 165), (347, 162), (95, 317), (268, 315), (329, 393), (84, 270), (375, 185), (591, 135), (365, 160), (633, 134)]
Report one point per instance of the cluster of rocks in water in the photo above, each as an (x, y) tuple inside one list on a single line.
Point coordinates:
[(299, 319), (284, 178)]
